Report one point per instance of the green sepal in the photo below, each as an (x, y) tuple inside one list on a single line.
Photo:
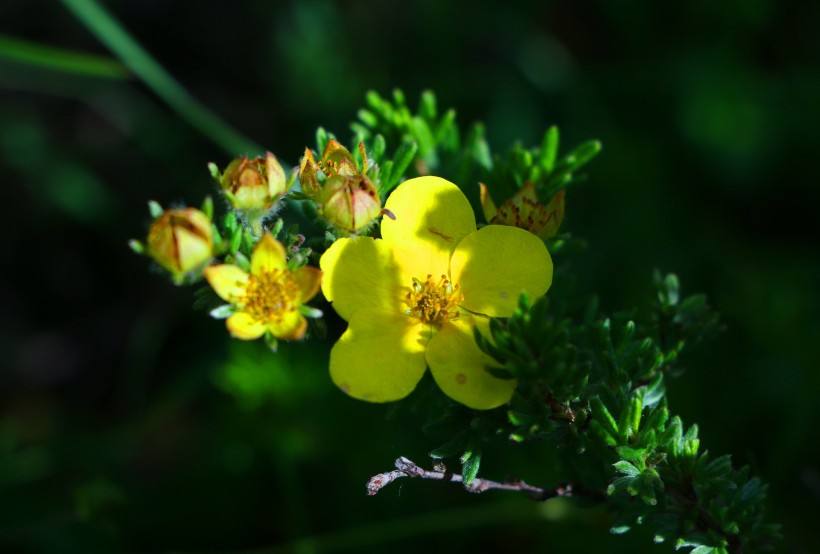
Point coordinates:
[(208, 207), (216, 175), (155, 208), (271, 341), (311, 312), (136, 246), (222, 312), (322, 138)]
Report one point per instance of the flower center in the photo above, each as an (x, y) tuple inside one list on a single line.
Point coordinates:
[(270, 295), (433, 302)]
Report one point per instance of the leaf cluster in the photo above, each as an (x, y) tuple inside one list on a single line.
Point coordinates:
[(595, 388)]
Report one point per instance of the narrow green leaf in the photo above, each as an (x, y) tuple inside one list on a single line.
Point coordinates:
[(368, 118), (583, 154), (59, 59), (402, 159), (470, 463), (549, 149), (602, 434), (631, 454), (601, 414), (116, 38), (427, 106)]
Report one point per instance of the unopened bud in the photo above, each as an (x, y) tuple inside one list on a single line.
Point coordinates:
[(181, 241), (344, 196), (254, 185)]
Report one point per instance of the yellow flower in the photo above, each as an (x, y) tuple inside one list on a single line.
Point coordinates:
[(270, 297), (413, 297), (181, 241)]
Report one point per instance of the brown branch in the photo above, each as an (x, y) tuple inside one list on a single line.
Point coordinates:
[(406, 468)]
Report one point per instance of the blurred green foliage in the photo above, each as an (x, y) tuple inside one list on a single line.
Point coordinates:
[(130, 422)]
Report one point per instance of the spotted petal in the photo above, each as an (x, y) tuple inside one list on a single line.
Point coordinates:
[(432, 215), (458, 366), (495, 264), (380, 358)]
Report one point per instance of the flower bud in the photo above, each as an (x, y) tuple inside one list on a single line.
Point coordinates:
[(344, 196), (254, 185), (181, 241), (524, 211)]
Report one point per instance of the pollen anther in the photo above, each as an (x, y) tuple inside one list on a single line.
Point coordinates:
[(271, 295), (433, 302)]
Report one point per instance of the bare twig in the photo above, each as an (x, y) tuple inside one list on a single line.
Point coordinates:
[(407, 468)]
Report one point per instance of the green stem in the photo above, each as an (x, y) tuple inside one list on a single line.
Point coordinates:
[(108, 30)]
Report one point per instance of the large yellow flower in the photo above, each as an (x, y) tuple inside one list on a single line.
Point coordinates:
[(270, 297), (413, 297)]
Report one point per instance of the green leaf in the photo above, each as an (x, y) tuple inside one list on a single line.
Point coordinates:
[(60, 59), (602, 415), (470, 463), (631, 454), (622, 466), (427, 106), (109, 31), (549, 149)]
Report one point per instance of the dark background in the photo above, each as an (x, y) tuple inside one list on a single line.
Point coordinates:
[(131, 422)]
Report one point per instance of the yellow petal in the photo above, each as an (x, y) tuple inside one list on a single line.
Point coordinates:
[(292, 326), (458, 365), (228, 281), (268, 255), (308, 279), (359, 273), (432, 216), (495, 264), (243, 326), (380, 358)]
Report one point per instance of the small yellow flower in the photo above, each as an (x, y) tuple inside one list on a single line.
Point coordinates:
[(413, 297), (524, 211), (181, 241), (270, 297)]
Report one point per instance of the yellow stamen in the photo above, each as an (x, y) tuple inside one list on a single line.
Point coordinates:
[(270, 295), (432, 302)]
